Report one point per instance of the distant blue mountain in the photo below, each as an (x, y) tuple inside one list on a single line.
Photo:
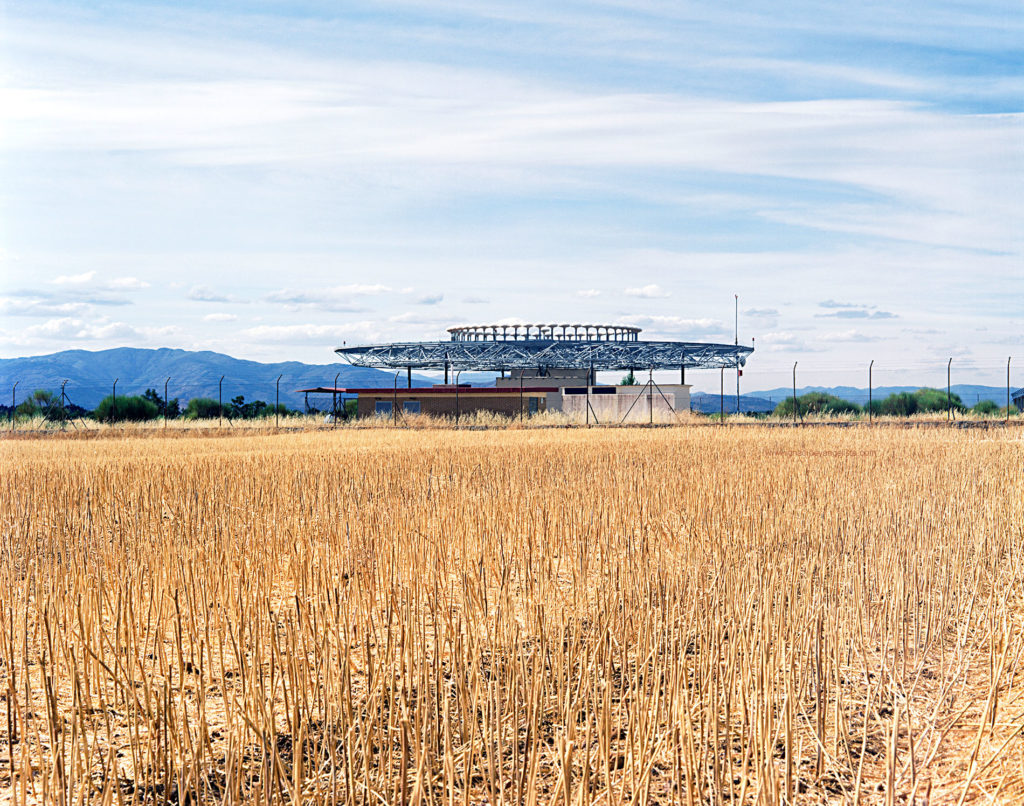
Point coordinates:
[(90, 376)]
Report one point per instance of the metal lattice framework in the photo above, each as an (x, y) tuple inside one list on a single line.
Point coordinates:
[(494, 348)]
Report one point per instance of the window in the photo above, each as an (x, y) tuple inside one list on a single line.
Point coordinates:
[(411, 407), (382, 407), (532, 405)]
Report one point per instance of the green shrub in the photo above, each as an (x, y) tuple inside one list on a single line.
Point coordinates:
[(816, 403), (132, 408), (901, 404), (936, 400), (986, 407), (203, 408)]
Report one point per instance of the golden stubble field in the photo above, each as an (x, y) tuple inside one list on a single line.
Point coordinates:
[(688, 615)]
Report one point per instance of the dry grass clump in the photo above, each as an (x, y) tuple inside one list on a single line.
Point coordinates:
[(566, 616)]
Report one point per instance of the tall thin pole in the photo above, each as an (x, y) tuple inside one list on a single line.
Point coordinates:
[(520, 395), (14, 390), (1008, 389), (334, 402), (870, 367), (277, 402), (63, 410), (113, 401), (737, 342), (220, 402), (165, 401), (949, 396), (408, 377), (795, 406)]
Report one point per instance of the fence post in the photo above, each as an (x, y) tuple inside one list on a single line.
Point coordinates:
[(220, 402), (457, 374), (795, 405), (650, 394), (394, 400), (949, 396), (113, 401), (63, 410), (721, 398), (870, 366), (1008, 389), (277, 403), (14, 390), (334, 403)]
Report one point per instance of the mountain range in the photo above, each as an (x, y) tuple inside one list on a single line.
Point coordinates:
[(90, 376)]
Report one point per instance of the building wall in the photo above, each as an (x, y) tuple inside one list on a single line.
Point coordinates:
[(672, 400), (444, 406)]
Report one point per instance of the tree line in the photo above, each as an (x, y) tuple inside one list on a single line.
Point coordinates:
[(144, 407), (898, 404)]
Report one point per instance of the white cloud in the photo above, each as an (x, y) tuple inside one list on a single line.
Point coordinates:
[(651, 291), (338, 299), (127, 284), (35, 306), (89, 280), (75, 279), (354, 332), (588, 293), (203, 293), (848, 336), (72, 329), (220, 317)]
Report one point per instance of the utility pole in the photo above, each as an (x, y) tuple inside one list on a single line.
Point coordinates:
[(14, 390), (1008, 390), (165, 401), (113, 401), (220, 402)]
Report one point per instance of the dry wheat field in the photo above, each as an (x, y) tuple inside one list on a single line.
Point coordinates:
[(643, 616)]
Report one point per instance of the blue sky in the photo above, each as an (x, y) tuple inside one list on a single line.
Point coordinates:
[(270, 179)]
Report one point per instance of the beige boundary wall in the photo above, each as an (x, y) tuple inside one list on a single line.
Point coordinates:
[(672, 399)]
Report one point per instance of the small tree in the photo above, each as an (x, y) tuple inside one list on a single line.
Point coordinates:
[(628, 380), (170, 410), (986, 408)]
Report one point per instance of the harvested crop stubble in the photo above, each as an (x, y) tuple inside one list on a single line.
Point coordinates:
[(567, 617)]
